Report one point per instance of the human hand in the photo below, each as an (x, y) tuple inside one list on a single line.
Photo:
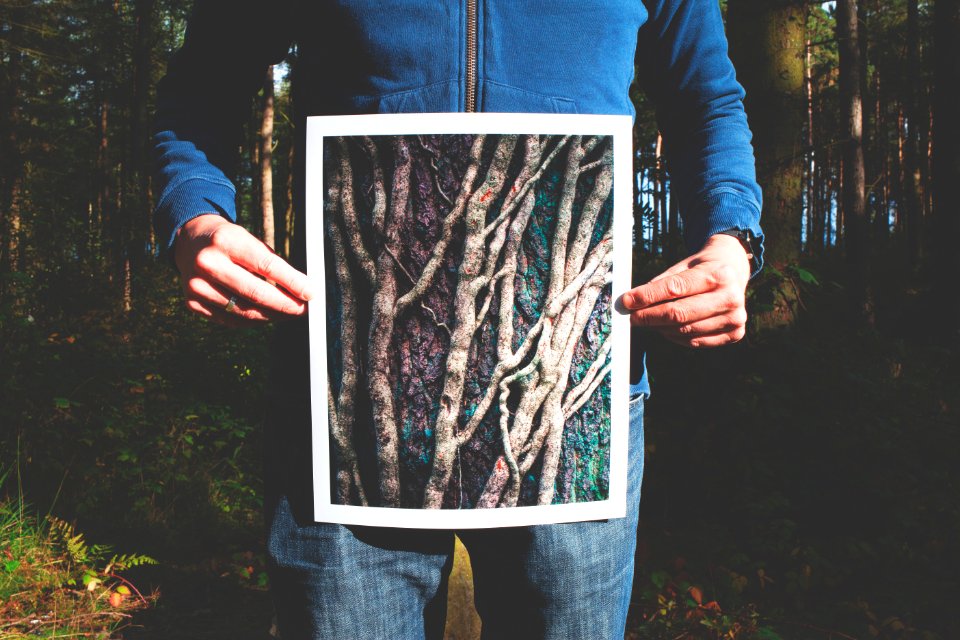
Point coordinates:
[(700, 301), (220, 262)]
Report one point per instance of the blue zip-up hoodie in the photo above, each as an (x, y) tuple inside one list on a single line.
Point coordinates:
[(389, 56)]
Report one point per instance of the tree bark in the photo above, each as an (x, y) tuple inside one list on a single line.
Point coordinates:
[(576, 281), (813, 247), (104, 193), (469, 282), (946, 163), (288, 215), (767, 47), (910, 200), (854, 177), (266, 161), (486, 228), (138, 163), (10, 162)]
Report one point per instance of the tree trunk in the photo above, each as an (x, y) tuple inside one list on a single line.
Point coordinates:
[(883, 159), (104, 197), (266, 161), (14, 223), (901, 175), (811, 164), (142, 76), (767, 46), (11, 165), (946, 162), (853, 196), (909, 198), (288, 216), (659, 196)]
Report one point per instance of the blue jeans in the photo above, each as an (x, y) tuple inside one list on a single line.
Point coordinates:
[(562, 581)]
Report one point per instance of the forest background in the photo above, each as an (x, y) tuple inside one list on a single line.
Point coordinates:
[(799, 484)]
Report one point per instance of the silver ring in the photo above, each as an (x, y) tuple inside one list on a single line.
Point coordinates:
[(231, 304)]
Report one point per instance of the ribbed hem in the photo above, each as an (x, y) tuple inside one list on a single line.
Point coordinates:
[(722, 211), (189, 199)]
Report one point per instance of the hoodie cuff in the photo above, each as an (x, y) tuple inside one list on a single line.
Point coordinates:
[(188, 200), (724, 211)]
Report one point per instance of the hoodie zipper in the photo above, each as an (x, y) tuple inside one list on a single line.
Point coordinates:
[(471, 99)]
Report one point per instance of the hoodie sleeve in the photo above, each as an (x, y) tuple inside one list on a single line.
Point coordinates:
[(202, 103), (684, 67)]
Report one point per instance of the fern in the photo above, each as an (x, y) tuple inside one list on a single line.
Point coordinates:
[(127, 561), (64, 535)]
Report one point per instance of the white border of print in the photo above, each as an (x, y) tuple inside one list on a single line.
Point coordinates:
[(319, 127)]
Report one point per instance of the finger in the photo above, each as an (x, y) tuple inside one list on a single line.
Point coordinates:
[(201, 290), (706, 341), (678, 285), (233, 278), (198, 307), (621, 302), (220, 316), (688, 310), (255, 256), (724, 323)]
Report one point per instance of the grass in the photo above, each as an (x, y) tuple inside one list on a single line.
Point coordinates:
[(53, 584)]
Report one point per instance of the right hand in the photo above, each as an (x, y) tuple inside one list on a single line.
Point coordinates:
[(219, 261)]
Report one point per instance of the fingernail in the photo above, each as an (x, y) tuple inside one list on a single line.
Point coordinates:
[(627, 300)]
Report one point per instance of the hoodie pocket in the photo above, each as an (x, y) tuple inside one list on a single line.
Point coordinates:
[(502, 97), (444, 97)]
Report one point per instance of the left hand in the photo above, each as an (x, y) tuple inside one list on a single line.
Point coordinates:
[(700, 301)]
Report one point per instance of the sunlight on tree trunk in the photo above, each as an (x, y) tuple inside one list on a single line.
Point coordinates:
[(266, 161), (767, 47)]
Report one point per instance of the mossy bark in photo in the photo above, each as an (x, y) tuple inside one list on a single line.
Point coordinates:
[(468, 311)]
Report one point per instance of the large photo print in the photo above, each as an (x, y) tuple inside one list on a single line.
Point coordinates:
[(466, 357)]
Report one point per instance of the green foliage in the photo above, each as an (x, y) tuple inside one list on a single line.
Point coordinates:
[(672, 605), (776, 296), (54, 584), (72, 544), (149, 443)]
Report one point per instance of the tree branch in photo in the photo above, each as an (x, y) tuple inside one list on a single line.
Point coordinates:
[(465, 314), (341, 411), (349, 214), (382, 332)]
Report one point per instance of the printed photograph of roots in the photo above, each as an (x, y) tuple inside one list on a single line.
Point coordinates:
[(468, 308)]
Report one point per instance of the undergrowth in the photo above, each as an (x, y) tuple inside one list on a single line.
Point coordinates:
[(800, 483), (55, 584)]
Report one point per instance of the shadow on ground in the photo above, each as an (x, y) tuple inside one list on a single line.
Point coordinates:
[(200, 603)]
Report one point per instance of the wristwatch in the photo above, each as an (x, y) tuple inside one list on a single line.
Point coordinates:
[(747, 241)]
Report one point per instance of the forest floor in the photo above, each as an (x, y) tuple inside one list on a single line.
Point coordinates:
[(798, 485)]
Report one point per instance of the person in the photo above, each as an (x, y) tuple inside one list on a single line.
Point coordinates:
[(367, 56)]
